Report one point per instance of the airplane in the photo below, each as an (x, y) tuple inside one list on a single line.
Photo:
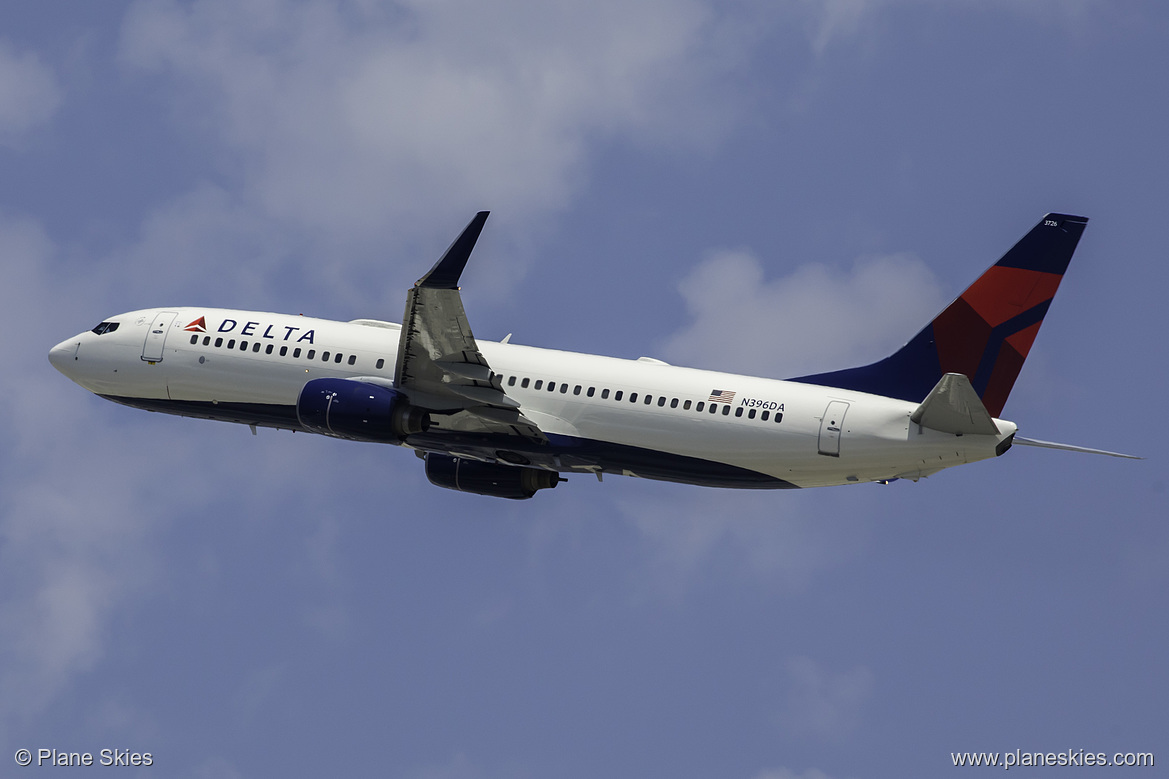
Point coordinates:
[(507, 420)]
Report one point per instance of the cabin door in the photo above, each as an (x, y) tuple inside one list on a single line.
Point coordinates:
[(156, 336)]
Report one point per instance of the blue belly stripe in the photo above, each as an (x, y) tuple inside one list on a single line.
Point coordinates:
[(562, 453)]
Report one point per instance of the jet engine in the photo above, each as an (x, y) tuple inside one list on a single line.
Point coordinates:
[(498, 481), (344, 408)]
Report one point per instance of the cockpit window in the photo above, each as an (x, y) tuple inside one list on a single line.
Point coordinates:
[(105, 327)]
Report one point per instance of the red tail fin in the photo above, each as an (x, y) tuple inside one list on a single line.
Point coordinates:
[(986, 333)]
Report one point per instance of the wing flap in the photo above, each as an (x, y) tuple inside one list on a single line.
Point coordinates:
[(465, 368), (485, 396)]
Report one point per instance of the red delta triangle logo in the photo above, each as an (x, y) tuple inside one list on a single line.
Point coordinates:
[(198, 326)]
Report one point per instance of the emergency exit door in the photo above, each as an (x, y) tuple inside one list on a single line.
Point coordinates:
[(831, 426)]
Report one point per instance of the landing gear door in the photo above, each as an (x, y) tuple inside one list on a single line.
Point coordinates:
[(831, 426), (156, 336)]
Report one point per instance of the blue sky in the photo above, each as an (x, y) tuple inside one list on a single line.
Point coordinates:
[(814, 180)]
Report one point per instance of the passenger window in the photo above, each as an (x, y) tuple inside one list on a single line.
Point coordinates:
[(268, 349), (700, 406), (511, 381), (563, 388), (632, 397), (686, 405), (751, 414), (674, 403), (739, 411), (662, 402), (576, 390), (231, 344), (339, 357), (243, 346), (283, 351), (206, 340), (604, 394), (591, 391), (296, 352), (551, 386), (524, 383), (539, 384), (713, 409), (726, 410), (311, 354), (256, 346), (778, 417), (352, 359), (324, 356), (381, 362), (194, 340), (617, 396), (765, 415), (649, 399), (218, 342)]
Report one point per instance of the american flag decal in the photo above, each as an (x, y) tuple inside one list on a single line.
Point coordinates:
[(721, 396)]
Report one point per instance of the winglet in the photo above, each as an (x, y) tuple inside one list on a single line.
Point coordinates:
[(954, 407), (445, 273)]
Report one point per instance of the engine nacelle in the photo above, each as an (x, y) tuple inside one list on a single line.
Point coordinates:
[(344, 408), (498, 481)]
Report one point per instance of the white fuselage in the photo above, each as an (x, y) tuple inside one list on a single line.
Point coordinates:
[(253, 365)]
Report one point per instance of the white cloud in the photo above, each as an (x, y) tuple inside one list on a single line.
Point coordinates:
[(86, 489), (29, 94), (458, 767), (365, 119), (833, 19), (216, 768), (71, 539), (779, 538), (816, 318), (257, 694), (787, 773), (205, 243), (823, 703)]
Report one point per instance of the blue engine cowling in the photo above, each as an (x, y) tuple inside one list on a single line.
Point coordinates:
[(344, 408), (497, 481)]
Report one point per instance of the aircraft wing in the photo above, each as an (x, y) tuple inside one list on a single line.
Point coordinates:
[(440, 367)]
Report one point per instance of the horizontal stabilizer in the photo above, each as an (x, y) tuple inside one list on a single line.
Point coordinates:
[(954, 407), (1070, 448)]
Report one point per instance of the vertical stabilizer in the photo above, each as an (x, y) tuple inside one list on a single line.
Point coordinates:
[(986, 333)]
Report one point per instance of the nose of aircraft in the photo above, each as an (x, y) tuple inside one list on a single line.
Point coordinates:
[(63, 355)]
